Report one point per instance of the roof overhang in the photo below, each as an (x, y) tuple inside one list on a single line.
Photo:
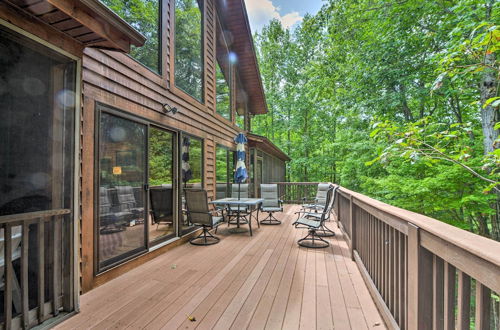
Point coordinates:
[(88, 22), (234, 15), (264, 144)]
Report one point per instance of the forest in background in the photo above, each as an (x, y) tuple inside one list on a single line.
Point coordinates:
[(398, 100)]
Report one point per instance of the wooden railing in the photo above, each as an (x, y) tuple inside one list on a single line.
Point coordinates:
[(296, 192), (37, 267), (422, 273)]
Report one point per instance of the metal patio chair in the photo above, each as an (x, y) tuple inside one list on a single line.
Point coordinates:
[(319, 200), (271, 203), (162, 206), (312, 239), (199, 214), (323, 231)]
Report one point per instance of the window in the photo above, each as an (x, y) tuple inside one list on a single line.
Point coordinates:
[(144, 16), (224, 171), (241, 104), (223, 75), (189, 47)]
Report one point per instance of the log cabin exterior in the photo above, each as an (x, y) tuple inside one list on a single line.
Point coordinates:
[(117, 105)]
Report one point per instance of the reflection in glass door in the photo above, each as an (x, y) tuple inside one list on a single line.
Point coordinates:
[(122, 168), (162, 189)]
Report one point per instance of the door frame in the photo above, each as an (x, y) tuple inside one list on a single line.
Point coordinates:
[(75, 271), (110, 110)]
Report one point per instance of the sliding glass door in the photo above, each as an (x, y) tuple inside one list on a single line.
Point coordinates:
[(137, 193), (122, 188)]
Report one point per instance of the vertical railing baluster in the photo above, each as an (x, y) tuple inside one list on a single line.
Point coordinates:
[(438, 293), (463, 301), (8, 273), (41, 270), (56, 278), (483, 304), (449, 297), (397, 283), (391, 270), (24, 274)]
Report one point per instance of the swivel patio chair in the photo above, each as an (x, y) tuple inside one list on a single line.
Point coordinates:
[(319, 200), (312, 239), (199, 214), (271, 203), (323, 231), (162, 206)]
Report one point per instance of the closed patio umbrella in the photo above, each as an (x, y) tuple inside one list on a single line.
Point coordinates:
[(241, 171), (187, 174)]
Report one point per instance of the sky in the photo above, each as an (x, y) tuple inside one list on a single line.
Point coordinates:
[(288, 12)]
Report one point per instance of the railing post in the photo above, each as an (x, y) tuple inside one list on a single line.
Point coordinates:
[(420, 265), (352, 224)]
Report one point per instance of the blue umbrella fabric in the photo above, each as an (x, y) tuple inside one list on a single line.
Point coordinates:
[(187, 174), (241, 174)]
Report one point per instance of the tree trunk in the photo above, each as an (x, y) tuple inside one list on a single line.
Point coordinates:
[(489, 115)]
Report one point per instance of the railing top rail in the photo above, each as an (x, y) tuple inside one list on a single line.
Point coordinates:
[(483, 247), (33, 215)]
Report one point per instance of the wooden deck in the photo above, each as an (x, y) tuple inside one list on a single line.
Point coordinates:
[(264, 281)]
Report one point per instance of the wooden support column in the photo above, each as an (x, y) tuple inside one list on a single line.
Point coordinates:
[(352, 224), (420, 265)]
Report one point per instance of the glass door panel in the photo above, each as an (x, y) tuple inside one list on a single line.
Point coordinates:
[(191, 172), (162, 189), (122, 168)]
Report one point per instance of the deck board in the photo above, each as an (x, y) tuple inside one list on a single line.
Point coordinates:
[(264, 281)]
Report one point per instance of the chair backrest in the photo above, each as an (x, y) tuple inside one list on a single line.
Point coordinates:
[(321, 193), (330, 205), (162, 203), (269, 192), (126, 197), (243, 190), (330, 198), (104, 201), (197, 206), (221, 190)]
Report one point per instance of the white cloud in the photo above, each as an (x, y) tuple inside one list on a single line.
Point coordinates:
[(260, 12)]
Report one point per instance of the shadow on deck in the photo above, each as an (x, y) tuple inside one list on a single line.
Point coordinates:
[(264, 281)]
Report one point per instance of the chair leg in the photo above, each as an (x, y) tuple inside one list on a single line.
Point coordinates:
[(312, 240)]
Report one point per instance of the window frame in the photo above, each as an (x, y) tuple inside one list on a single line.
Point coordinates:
[(161, 53), (173, 85)]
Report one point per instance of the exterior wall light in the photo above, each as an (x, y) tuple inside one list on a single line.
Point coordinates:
[(167, 109)]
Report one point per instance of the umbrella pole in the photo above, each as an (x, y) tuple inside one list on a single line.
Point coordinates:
[(238, 219)]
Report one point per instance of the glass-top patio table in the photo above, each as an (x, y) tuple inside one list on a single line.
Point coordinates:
[(242, 204)]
